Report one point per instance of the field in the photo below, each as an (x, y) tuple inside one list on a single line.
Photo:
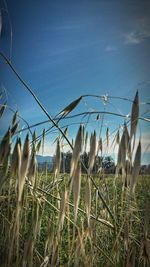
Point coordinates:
[(43, 234), (83, 218)]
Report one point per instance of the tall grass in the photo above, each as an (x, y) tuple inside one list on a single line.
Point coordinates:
[(55, 219)]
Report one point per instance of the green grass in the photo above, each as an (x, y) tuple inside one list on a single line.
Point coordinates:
[(103, 238)]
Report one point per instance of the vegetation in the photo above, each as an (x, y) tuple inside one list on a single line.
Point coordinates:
[(84, 218), (89, 210)]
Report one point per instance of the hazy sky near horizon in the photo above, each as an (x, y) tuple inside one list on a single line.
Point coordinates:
[(64, 49)]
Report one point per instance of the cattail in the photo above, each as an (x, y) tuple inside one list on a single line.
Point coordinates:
[(76, 189), (134, 115), (92, 152), (77, 150), (136, 169), (24, 166)]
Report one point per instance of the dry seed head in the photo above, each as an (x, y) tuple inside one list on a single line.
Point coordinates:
[(14, 128), (38, 146), (24, 166), (88, 199), (76, 189), (63, 201), (5, 159), (77, 150), (107, 136), (92, 152), (2, 109), (43, 140), (72, 142), (118, 137), (32, 169), (136, 168), (19, 142), (34, 137), (70, 107), (57, 159), (66, 131), (5, 146), (100, 146), (6, 165), (128, 142), (14, 118), (80, 251), (16, 159), (83, 135), (122, 151), (134, 115), (86, 140), (98, 117)]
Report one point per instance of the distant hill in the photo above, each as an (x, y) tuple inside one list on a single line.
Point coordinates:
[(43, 159)]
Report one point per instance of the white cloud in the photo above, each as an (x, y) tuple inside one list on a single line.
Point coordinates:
[(132, 38), (110, 48), (50, 149), (140, 32), (145, 142)]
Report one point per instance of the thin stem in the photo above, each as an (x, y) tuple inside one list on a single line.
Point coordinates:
[(56, 125), (34, 96)]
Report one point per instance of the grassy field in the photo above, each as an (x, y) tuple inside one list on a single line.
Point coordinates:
[(104, 243), (75, 219)]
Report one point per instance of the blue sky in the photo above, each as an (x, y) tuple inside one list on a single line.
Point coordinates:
[(64, 49)]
